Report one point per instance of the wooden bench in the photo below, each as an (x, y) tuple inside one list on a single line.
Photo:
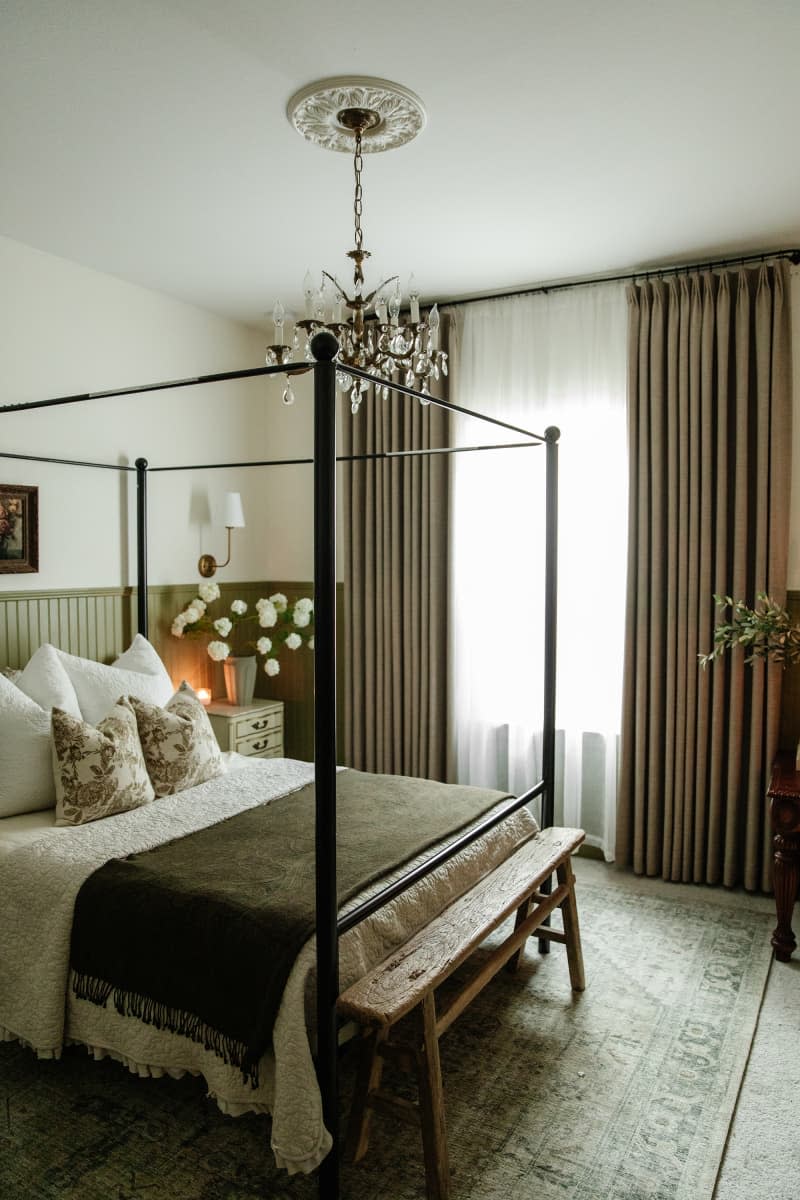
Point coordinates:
[(407, 981)]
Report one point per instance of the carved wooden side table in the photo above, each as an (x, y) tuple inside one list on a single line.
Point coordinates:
[(784, 795)]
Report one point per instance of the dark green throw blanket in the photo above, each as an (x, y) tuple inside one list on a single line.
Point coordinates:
[(199, 936)]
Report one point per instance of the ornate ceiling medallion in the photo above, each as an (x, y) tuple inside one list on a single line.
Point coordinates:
[(357, 115), (319, 113)]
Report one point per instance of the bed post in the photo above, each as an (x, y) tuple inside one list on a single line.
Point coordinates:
[(324, 347), (551, 434), (550, 618), (141, 545)]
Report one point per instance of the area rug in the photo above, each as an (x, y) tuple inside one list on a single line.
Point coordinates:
[(623, 1093)]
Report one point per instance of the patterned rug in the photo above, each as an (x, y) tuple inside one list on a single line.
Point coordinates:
[(623, 1093)]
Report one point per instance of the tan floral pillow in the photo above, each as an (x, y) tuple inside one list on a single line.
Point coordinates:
[(98, 770), (179, 746)]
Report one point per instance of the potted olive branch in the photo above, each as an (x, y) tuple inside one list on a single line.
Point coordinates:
[(766, 631)]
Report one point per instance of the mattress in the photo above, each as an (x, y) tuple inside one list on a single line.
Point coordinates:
[(287, 1087)]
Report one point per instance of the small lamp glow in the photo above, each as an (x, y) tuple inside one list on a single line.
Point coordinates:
[(203, 695), (233, 518)]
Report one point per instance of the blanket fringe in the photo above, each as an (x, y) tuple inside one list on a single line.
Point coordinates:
[(174, 1020)]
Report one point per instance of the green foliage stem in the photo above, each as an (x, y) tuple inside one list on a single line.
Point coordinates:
[(766, 631)]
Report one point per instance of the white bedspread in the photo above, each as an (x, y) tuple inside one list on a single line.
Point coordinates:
[(41, 874)]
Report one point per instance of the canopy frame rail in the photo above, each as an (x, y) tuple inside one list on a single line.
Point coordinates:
[(330, 926)]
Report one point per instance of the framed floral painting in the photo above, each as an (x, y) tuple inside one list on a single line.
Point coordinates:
[(19, 528)]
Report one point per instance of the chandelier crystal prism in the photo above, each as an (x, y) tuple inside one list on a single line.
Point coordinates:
[(374, 332)]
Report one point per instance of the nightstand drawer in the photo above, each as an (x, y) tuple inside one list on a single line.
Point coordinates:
[(251, 729), (246, 727), (261, 743)]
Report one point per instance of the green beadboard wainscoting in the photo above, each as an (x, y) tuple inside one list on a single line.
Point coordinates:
[(99, 623), (96, 623)]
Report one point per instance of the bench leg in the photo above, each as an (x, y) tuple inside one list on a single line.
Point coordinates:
[(431, 1103), (368, 1079), (572, 930), (522, 914)]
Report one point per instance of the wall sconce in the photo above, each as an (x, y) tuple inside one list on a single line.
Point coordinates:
[(233, 518)]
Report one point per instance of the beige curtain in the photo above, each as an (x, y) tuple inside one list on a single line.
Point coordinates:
[(710, 417), (395, 519)]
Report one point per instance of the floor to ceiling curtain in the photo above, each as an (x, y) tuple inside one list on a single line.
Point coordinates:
[(710, 447), (395, 523), (535, 361)]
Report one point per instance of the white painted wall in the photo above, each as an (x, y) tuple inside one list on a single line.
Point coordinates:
[(64, 330)]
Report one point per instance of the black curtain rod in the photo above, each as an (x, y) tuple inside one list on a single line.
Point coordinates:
[(544, 289)]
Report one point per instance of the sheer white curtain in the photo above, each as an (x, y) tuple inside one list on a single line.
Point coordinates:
[(535, 361)]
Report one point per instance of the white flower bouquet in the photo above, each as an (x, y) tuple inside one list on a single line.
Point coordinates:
[(237, 631)]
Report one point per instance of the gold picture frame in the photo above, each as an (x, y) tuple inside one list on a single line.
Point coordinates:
[(19, 528)]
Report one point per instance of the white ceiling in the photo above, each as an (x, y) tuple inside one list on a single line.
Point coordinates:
[(564, 138)]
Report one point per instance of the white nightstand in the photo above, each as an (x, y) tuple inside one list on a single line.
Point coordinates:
[(254, 729)]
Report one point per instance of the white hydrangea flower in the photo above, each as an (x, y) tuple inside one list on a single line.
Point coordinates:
[(209, 592), (304, 604), (272, 666), (218, 650), (177, 628), (223, 626), (293, 641), (280, 602), (267, 614), (192, 614), (239, 608), (199, 604), (301, 617), (264, 645)]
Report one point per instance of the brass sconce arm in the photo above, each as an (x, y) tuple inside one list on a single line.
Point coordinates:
[(207, 564)]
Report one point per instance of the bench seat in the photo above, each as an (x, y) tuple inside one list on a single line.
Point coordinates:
[(407, 980)]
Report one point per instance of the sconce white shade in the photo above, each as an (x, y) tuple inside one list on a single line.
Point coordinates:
[(233, 513)]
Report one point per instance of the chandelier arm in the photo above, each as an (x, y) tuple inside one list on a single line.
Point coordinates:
[(337, 285), (392, 279)]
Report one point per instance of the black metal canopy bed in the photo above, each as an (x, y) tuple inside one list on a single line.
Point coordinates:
[(497, 836)]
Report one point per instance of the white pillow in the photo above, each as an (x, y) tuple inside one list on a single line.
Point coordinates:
[(99, 687), (26, 772), (45, 681), (143, 657)]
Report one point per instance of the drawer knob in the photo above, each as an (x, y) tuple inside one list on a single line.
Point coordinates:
[(260, 724), (261, 745)]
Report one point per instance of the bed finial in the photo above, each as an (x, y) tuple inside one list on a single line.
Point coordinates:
[(324, 346), (552, 433)]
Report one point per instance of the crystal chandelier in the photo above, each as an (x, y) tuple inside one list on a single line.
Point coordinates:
[(373, 332)]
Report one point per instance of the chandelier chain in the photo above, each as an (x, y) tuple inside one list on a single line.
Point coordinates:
[(358, 208)]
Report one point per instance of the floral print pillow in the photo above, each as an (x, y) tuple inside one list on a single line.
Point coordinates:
[(98, 770), (178, 742)]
